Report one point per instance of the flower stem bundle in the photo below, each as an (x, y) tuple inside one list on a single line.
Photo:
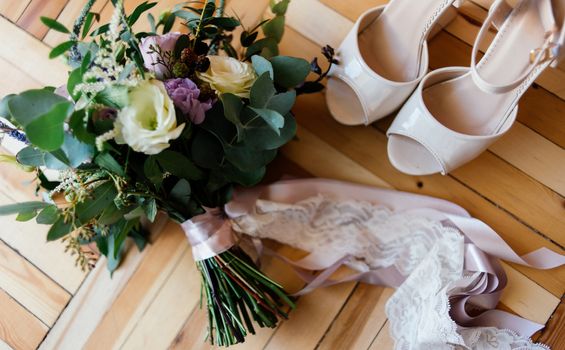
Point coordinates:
[(237, 294)]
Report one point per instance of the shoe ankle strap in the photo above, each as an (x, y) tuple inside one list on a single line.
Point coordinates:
[(552, 49)]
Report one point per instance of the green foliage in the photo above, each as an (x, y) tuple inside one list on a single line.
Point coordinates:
[(106, 161), (61, 49), (54, 24), (41, 113), (290, 71), (24, 207)]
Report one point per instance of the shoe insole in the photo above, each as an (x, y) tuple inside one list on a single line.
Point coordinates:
[(391, 44), (460, 105)]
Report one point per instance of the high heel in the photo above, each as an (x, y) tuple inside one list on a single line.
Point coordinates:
[(457, 112), (383, 58)]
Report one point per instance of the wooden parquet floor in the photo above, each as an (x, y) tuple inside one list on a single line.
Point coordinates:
[(517, 187)]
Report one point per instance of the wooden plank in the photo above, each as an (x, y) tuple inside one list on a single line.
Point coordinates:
[(13, 80), (21, 330), (521, 147), (521, 195), (12, 10), (361, 318), (300, 332), (183, 286), (33, 290), (28, 238), (17, 46), (553, 333), (30, 21), (96, 295), (67, 17), (87, 306), (156, 267), (368, 147), (383, 340)]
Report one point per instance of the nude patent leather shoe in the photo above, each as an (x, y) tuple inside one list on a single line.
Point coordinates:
[(383, 58), (457, 112)]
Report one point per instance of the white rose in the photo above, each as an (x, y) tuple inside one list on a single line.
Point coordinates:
[(228, 75), (148, 122)]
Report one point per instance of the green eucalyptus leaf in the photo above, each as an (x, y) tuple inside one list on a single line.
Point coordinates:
[(180, 193), (102, 197), (26, 216), (61, 49), (48, 216), (32, 104), (24, 207), (79, 127), (75, 78), (279, 7), (112, 214), (232, 108), (244, 178), (54, 24), (152, 171), (266, 47), (273, 118), (290, 71), (140, 238), (4, 110), (262, 91), (226, 23), (247, 159), (259, 135), (282, 103), (77, 152), (115, 252), (47, 131), (108, 162), (115, 96), (206, 150), (262, 65), (274, 28), (179, 165), (247, 39), (31, 156), (88, 22), (59, 229), (139, 10), (150, 208), (188, 16)]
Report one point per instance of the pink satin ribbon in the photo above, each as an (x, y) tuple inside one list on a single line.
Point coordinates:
[(483, 243), (209, 234)]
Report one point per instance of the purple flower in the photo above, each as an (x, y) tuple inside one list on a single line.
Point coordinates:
[(184, 94), (154, 60)]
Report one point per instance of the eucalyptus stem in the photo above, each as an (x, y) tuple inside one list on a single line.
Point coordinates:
[(77, 26)]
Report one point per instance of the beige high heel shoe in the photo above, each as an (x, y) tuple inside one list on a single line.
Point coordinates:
[(383, 58), (457, 112)]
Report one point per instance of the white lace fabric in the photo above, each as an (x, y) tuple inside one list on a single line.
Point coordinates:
[(428, 253)]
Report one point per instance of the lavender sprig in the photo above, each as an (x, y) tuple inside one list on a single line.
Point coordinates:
[(13, 133)]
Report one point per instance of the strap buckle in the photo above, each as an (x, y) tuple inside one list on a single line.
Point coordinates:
[(549, 51)]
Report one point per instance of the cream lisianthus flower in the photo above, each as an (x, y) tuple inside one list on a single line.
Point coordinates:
[(148, 122), (228, 75)]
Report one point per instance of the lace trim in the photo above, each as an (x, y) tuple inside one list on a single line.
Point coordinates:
[(428, 252)]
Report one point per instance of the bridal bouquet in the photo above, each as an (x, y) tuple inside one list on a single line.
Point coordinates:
[(162, 121)]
